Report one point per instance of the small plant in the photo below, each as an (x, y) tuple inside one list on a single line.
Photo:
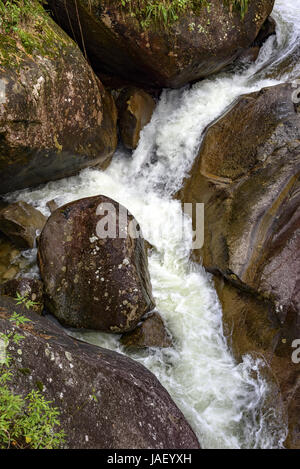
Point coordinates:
[(30, 422), (12, 13), (168, 11), (27, 422), (24, 300), (241, 5), (13, 16)]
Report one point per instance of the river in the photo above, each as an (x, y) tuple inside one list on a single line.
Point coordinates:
[(225, 402)]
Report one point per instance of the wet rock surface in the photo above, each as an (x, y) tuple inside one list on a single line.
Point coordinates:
[(249, 184), (250, 187), (10, 260), (21, 223), (106, 400), (198, 44), (135, 108), (92, 282), (150, 333), (250, 55), (52, 205)]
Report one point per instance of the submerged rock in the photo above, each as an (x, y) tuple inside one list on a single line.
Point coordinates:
[(10, 260), (30, 288), (247, 174), (150, 333), (14, 261), (106, 400), (55, 116), (94, 282), (52, 205), (21, 223), (135, 111), (164, 53)]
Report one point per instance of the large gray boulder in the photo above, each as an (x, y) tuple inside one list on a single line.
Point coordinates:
[(21, 223), (163, 53), (93, 282), (106, 400), (55, 115)]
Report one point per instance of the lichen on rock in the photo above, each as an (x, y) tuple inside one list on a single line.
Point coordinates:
[(105, 399), (202, 40), (94, 282), (55, 116)]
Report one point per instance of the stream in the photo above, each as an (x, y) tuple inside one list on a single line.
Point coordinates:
[(225, 402)]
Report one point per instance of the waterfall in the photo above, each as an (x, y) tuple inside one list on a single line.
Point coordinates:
[(225, 402)]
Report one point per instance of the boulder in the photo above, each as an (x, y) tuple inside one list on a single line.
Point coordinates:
[(250, 55), (135, 108), (246, 183), (55, 115), (21, 223), (268, 29), (119, 38), (106, 400), (28, 288), (93, 281), (150, 333), (11, 261), (52, 205), (252, 325), (250, 188)]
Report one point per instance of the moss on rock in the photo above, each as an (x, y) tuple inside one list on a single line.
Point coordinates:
[(139, 43), (55, 116)]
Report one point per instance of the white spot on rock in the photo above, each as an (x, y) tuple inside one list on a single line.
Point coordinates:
[(68, 356), (37, 87), (3, 97)]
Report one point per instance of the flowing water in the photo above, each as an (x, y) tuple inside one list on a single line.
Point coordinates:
[(226, 403)]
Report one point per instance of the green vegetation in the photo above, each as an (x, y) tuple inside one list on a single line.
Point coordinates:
[(25, 422), (13, 13), (26, 29), (168, 11), (16, 14)]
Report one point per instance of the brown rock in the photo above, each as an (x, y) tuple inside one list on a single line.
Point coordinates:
[(200, 43), (240, 179), (90, 282), (250, 187), (135, 111), (268, 29), (12, 261), (28, 288), (250, 55), (106, 400), (150, 333), (20, 222), (52, 205), (9, 260), (253, 327), (55, 116)]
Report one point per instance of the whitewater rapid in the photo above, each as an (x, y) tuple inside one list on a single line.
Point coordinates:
[(225, 402)]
